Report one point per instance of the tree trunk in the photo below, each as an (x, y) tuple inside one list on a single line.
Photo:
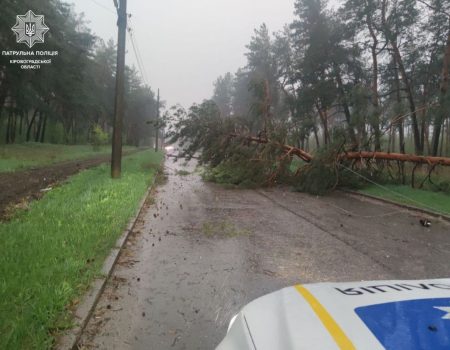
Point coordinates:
[(14, 127), (316, 137), (375, 97), (447, 144), (390, 140), (401, 131), (44, 126), (347, 114), (21, 122), (39, 126), (8, 128), (391, 38), (441, 110), (400, 157), (324, 120), (418, 146), (33, 118)]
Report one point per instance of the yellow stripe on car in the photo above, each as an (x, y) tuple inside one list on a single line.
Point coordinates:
[(330, 324)]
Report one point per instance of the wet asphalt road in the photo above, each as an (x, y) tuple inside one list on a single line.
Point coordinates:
[(200, 252)]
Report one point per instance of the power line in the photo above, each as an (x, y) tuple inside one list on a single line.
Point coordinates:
[(104, 7), (137, 53), (140, 55), (395, 193)]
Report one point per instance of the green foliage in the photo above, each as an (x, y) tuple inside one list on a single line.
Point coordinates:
[(229, 157), (50, 253), (443, 186), (55, 133), (98, 137), (223, 93), (319, 176), (59, 102), (325, 173)]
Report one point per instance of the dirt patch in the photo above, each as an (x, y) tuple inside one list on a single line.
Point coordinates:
[(17, 189)]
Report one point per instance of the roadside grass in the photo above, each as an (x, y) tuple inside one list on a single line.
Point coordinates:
[(438, 202), (31, 154), (50, 253)]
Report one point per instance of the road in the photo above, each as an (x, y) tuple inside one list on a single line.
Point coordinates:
[(201, 252)]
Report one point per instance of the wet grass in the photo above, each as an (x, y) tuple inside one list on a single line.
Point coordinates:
[(222, 228), (50, 253), (22, 156), (438, 202)]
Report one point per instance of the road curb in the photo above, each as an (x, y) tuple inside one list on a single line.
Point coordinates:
[(406, 206), (85, 309)]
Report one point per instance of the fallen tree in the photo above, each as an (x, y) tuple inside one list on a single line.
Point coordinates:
[(400, 157), (231, 154)]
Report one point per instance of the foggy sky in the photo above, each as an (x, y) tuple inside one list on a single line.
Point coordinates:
[(186, 44)]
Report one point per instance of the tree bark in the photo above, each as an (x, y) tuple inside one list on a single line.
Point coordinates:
[(399, 123), (375, 97), (39, 126), (8, 129), (347, 114), (21, 122), (400, 157), (33, 118), (441, 111), (316, 136), (44, 126), (324, 120), (405, 79)]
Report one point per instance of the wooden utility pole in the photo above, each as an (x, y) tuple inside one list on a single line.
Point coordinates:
[(157, 123), (116, 155)]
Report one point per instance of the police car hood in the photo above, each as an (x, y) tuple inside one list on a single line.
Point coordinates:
[(391, 315)]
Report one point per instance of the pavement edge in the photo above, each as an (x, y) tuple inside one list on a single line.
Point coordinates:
[(406, 206), (69, 339)]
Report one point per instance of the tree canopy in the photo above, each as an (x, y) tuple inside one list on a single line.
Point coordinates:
[(64, 101)]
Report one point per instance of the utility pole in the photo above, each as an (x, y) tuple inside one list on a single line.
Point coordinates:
[(157, 123), (116, 155)]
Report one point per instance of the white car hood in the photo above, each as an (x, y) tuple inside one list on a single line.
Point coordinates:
[(374, 315)]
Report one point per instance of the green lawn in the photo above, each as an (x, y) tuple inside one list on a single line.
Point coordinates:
[(50, 253), (438, 202), (26, 155)]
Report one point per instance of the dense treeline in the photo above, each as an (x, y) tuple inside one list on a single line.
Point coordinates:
[(372, 71), (71, 99)]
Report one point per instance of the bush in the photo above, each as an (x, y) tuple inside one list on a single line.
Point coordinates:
[(98, 137)]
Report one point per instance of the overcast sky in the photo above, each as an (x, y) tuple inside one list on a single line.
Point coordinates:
[(186, 44)]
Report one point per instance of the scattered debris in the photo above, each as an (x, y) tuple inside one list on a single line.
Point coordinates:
[(425, 222)]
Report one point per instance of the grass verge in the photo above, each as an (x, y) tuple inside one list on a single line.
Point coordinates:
[(438, 202), (50, 253), (26, 155)]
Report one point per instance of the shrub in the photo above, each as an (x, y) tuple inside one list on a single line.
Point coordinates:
[(98, 137)]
